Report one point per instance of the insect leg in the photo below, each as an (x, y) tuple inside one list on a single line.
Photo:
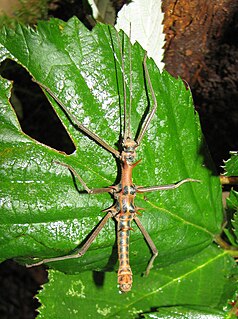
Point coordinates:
[(89, 190), (165, 187), (150, 244), (94, 136), (81, 251)]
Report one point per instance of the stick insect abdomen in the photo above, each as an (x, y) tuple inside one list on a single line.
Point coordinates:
[(123, 233), (126, 212)]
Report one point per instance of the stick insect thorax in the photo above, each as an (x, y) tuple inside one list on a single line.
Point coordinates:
[(124, 210)]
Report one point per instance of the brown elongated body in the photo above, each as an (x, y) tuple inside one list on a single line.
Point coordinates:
[(126, 212)]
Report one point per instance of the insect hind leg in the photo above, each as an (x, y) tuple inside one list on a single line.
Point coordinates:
[(80, 251)]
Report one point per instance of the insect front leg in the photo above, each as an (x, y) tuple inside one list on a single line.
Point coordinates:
[(74, 120), (80, 251), (154, 107), (150, 244), (88, 190)]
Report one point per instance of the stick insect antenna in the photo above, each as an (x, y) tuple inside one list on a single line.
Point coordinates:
[(126, 128), (127, 113), (130, 100)]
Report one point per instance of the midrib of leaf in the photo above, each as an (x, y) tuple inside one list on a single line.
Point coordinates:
[(180, 218)]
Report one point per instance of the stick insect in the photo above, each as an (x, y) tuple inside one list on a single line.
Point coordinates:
[(124, 209)]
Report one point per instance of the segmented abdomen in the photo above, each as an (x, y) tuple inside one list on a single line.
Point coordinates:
[(124, 218), (124, 271)]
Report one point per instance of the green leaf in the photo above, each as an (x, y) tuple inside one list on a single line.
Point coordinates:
[(232, 204), (43, 213), (185, 313), (207, 279), (231, 165), (235, 225)]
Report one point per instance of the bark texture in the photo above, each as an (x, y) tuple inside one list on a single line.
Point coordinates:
[(201, 48)]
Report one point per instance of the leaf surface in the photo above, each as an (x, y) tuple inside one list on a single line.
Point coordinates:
[(43, 213), (232, 204), (199, 281)]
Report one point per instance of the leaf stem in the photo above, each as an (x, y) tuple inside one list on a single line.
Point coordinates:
[(232, 250)]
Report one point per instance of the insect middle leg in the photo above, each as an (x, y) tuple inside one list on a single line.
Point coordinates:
[(166, 187), (150, 244), (141, 227)]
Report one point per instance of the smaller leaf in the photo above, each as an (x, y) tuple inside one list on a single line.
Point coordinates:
[(235, 224), (231, 165), (208, 279), (232, 203), (143, 22), (232, 306)]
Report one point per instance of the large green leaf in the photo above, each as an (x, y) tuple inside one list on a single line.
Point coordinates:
[(200, 281), (43, 213)]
